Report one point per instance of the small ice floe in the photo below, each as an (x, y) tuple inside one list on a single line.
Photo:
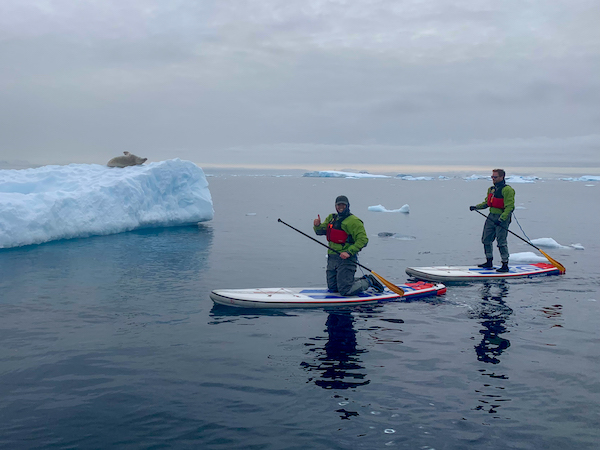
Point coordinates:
[(526, 257), (250, 214), (547, 243), (443, 177), (401, 237), (520, 207), (381, 208), (577, 246)]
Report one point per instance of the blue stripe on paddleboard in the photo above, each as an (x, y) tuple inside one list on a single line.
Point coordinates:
[(512, 269), (320, 294)]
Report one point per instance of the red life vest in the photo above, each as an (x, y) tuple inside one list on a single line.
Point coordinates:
[(336, 235), (495, 202)]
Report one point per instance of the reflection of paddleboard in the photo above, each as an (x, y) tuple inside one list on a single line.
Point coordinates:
[(317, 297), (468, 273)]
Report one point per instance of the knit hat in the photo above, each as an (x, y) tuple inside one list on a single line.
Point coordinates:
[(342, 199)]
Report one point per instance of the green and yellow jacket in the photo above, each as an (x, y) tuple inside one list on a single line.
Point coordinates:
[(357, 236), (501, 190)]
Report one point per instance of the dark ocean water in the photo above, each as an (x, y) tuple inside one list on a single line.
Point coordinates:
[(113, 341)]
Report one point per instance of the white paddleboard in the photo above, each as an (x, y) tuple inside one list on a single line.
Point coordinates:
[(469, 273), (317, 297)]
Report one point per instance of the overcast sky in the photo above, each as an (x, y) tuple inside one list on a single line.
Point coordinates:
[(308, 83)]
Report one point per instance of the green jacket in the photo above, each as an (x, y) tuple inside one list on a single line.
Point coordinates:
[(351, 225), (509, 203)]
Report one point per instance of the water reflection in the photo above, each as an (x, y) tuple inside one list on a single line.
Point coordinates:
[(337, 364), (225, 314), (161, 262), (493, 314)]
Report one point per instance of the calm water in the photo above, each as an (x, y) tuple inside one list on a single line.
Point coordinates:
[(114, 341)]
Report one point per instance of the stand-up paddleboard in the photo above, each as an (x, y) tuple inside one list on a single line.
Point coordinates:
[(468, 273), (317, 297)]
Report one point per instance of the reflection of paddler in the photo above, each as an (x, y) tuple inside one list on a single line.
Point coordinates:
[(494, 313), (339, 363), (346, 237)]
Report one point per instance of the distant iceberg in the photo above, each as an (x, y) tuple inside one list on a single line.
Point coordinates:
[(509, 179), (338, 174), (411, 178), (381, 208), (79, 200), (584, 178)]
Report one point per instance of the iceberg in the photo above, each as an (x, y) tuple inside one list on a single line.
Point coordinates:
[(80, 200)]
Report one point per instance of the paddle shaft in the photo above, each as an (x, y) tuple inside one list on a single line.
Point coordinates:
[(320, 243)]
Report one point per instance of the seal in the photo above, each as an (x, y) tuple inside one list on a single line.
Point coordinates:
[(128, 160)]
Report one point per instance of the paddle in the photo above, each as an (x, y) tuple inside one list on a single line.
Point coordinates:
[(392, 287), (554, 262)]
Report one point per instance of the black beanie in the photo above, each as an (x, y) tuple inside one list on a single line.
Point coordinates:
[(342, 199)]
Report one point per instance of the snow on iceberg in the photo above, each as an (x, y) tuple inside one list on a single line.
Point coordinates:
[(381, 208), (338, 174), (79, 200)]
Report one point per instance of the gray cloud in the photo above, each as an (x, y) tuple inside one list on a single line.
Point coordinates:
[(83, 81)]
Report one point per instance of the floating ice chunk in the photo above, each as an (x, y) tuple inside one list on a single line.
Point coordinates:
[(79, 200), (526, 257), (250, 214), (381, 208), (401, 237), (476, 177), (577, 246), (547, 243)]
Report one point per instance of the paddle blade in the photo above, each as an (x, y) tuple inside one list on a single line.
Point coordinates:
[(554, 262), (392, 287)]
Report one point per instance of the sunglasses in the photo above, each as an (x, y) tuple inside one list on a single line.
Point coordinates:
[(495, 176)]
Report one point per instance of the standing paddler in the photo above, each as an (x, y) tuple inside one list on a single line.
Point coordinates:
[(346, 237), (500, 199)]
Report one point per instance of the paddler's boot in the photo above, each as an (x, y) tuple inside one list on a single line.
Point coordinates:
[(487, 265), (504, 267), (374, 283)]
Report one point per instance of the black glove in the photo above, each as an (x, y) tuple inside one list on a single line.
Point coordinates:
[(472, 208), (497, 223)]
